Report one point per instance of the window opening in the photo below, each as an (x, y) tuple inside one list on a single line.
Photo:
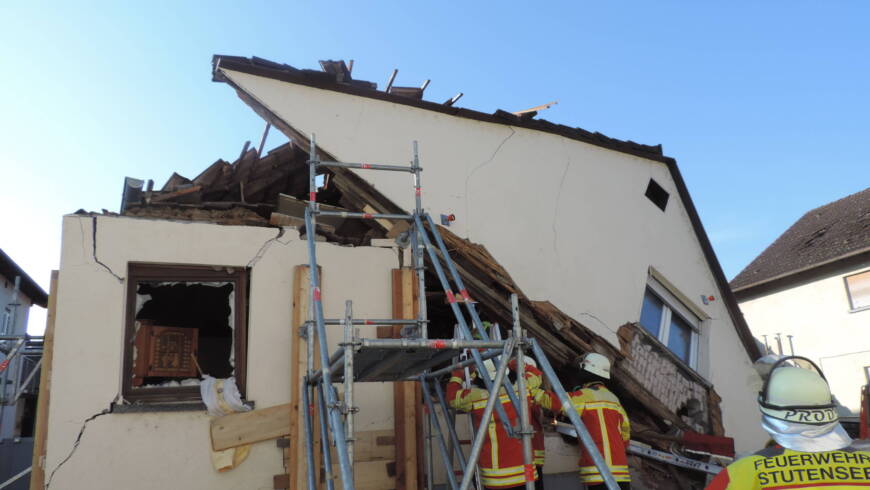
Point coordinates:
[(670, 322), (657, 194), (651, 314), (858, 289), (6, 322), (183, 320), (177, 323)]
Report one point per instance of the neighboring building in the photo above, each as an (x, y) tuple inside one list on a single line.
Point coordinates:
[(598, 236), (809, 293), (19, 381), (17, 414)]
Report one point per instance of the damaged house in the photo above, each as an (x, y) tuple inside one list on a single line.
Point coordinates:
[(206, 275)]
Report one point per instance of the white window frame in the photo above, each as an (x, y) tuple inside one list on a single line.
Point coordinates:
[(7, 321), (671, 305), (852, 308)]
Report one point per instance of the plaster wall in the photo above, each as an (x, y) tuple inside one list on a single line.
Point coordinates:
[(817, 314), (568, 220), (171, 450)]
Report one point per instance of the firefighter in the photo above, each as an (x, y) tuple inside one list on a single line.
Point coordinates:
[(500, 462), (812, 450), (603, 416)]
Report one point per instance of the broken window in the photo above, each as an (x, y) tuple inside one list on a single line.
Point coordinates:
[(667, 320), (183, 321)]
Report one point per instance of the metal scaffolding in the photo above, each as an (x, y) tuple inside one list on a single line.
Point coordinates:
[(414, 357)]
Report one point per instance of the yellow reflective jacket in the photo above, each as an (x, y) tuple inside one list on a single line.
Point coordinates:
[(501, 457), (777, 468)]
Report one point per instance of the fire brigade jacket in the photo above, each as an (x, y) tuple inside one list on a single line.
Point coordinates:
[(501, 457), (607, 422), (538, 451), (780, 468)]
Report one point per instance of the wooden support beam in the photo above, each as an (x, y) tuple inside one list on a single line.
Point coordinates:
[(406, 415), (239, 429), (37, 474), (295, 454)]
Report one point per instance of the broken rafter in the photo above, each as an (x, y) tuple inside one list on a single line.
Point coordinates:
[(453, 100), (538, 108), (176, 194)]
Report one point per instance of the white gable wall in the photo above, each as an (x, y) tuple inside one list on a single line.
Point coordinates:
[(568, 220)]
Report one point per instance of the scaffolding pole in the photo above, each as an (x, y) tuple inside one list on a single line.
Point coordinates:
[(525, 429), (337, 417)]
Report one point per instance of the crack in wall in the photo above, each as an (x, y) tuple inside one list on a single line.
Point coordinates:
[(556, 209), (94, 243), (265, 247), (475, 169), (78, 441), (590, 315)]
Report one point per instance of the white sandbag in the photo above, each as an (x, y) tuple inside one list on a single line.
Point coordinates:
[(221, 396)]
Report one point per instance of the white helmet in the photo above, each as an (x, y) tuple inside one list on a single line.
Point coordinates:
[(596, 364), (489, 364), (795, 394), (530, 361)]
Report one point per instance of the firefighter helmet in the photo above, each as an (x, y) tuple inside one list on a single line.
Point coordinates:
[(491, 368), (795, 394), (596, 364)]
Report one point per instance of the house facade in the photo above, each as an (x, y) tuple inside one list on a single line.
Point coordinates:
[(598, 237), (808, 293), (19, 368), (18, 292)]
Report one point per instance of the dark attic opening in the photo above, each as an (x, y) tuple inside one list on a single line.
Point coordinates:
[(182, 328)]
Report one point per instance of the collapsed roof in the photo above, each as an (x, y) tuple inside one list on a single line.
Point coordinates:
[(270, 190)]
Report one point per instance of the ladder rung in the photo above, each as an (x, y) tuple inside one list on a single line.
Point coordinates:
[(432, 344), (367, 166), (359, 321), (347, 214)]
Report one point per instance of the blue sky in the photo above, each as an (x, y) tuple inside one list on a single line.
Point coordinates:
[(765, 105)]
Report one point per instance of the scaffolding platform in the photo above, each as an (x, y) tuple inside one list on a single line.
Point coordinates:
[(401, 359)]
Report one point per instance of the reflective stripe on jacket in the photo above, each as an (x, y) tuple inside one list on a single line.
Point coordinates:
[(538, 450), (780, 468), (501, 457), (607, 422)]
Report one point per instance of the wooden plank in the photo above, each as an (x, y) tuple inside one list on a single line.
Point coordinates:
[(372, 445), (387, 224), (295, 461), (238, 429), (37, 475), (176, 194), (406, 416), (370, 475)]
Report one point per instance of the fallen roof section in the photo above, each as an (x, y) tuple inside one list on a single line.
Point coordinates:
[(9, 269), (330, 81), (829, 233), (333, 81)]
